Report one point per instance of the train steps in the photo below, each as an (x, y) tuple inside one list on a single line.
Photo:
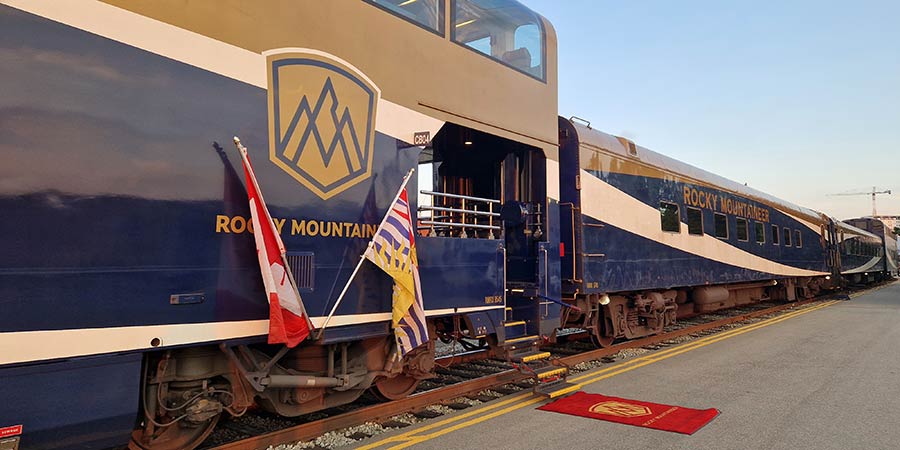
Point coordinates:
[(514, 329), (549, 376), (556, 388), (518, 343)]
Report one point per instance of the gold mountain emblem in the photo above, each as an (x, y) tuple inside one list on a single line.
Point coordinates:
[(321, 119)]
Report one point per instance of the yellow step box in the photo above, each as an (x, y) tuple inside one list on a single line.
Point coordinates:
[(552, 373), (535, 357)]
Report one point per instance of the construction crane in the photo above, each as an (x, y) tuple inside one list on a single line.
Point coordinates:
[(874, 192)]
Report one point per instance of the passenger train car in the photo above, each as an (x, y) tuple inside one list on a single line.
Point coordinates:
[(881, 249), (130, 291), (677, 239)]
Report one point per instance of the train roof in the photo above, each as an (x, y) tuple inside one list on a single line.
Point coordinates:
[(846, 227), (617, 145)]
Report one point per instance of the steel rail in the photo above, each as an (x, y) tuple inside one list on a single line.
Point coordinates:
[(419, 401)]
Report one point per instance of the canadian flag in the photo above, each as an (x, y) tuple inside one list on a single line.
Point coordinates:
[(288, 321)]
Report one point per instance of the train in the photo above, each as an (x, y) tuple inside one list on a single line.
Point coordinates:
[(133, 309), (881, 250)]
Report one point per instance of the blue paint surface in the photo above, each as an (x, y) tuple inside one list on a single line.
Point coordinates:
[(84, 402)]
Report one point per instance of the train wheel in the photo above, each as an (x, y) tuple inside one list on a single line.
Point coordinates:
[(395, 388), (598, 337), (602, 342), (175, 437)]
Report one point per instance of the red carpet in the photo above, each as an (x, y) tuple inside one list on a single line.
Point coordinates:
[(633, 412)]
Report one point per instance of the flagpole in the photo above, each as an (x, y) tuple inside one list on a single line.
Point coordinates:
[(363, 256), (243, 151)]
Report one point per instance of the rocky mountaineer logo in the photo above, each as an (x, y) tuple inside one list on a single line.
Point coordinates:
[(321, 119), (620, 409)]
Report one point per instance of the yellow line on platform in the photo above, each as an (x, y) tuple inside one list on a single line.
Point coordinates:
[(524, 399), (693, 345)]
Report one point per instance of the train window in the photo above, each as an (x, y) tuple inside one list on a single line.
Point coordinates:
[(428, 14), (503, 30), (668, 215), (787, 237), (695, 221), (760, 232), (743, 234), (775, 234), (798, 241), (721, 226)]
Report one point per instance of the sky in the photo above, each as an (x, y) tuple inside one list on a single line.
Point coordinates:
[(799, 99)]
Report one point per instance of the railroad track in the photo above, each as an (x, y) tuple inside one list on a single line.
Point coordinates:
[(470, 376)]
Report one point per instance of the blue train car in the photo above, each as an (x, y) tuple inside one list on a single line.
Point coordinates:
[(647, 238), (889, 266), (129, 285), (862, 253)]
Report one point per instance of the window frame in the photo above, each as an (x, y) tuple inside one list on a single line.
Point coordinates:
[(688, 209), (798, 239), (787, 237), (746, 229), (759, 227), (776, 236), (716, 228), (677, 216), (539, 21), (443, 20)]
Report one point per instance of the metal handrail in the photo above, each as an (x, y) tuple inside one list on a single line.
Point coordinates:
[(464, 197), (465, 215), (460, 225), (473, 212)]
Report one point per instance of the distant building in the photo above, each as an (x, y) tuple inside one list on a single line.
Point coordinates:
[(890, 222)]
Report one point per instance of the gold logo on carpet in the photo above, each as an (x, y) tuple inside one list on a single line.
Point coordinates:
[(321, 119), (613, 408)]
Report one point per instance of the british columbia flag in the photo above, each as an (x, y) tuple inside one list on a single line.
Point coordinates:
[(393, 249), (288, 322)]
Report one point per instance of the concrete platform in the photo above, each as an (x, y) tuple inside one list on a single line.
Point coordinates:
[(824, 379)]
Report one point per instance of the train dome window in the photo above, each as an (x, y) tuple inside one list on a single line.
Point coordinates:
[(504, 30), (721, 226), (668, 216), (428, 14), (775, 235), (760, 232), (743, 234), (629, 146), (787, 237), (798, 241)]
